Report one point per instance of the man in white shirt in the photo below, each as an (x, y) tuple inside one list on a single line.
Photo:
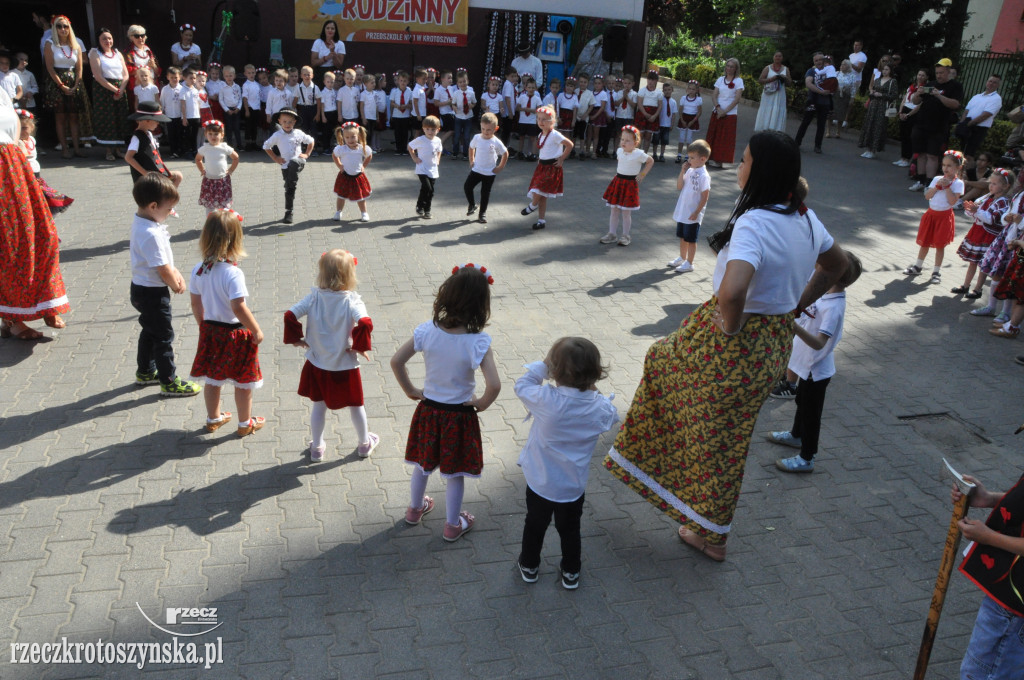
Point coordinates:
[(978, 118), (858, 60), (527, 63)]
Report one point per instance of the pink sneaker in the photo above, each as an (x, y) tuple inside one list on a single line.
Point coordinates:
[(365, 449), (413, 515), (453, 532), (316, 453)]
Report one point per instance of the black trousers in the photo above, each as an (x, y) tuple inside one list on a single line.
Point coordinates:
[(327, 139), (290, 173), (426, 196), (505, 130), (821, 113), (401, 126), (539, 511), (175, 131), (307, 118), (906, 132), (156, 350), (191, 132), (810, 400), (603, 137), (251, 129), (485, 191), (233, 130)]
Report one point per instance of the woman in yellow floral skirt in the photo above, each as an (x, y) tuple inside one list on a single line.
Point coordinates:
[(683, 445)]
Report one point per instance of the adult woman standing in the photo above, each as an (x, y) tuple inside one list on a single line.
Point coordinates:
[(772, 113), (31, 286), (109, 102), (908, 109), (722, 128), (186, 53), (139, 56), (881, 95), (328, 51), (65, 92), (684, 442), (848, 81)]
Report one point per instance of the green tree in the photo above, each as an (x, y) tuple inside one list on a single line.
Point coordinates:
[(701, 18)]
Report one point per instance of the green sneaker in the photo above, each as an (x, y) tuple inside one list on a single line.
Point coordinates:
[(146, 378), (180, 388)]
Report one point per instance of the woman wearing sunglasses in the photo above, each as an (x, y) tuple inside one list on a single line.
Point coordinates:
[(65, 92), (137, 56)]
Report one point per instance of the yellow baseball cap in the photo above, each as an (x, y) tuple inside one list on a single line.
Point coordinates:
[(944, 62)]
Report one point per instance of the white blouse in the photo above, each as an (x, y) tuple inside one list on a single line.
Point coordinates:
[(61, 59), (111, 68), (727, 95)]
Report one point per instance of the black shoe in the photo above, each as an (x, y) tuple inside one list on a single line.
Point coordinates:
[(521, 156), (419, 211), (529, 575), (817, 149), (527, 210), (426, 215), (784, 390), (539, 225), (482, 219), (287, 219), (570, 581), (471, 210)]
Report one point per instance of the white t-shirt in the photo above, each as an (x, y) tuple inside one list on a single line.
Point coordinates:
[(181, 52), (782, 249), (629, 98), (111, 68), (549, 100), (251, 93), (213, 88), (289, 145), (532, 101), (398, 98), (695, 182), (429, 152), (216, 159), (650, 97), (828, 313), (586, 100), (727, 95), (10, 82), (601, 101), (133, 145), (550, 145), (352, 159), (382, 100), (567, 423), (170, 100), (460, 99), (331, 315), (149, 93), (277, 100), (443, 98), (229, 96), (348, 101), (630, 163), (530, 64), (508, 94), (940, 201), (667, 112), (419, 95), (28, 85), (982, 102), (329, 99), (858, 58), (190, 96), (149, 247), (488, 153), (218, 286), (568, 103), (493, 103), (306, 95), (368, 105), (322, 50), (451, 360), (691, 106)]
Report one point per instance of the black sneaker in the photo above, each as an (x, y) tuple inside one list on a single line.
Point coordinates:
[(570, 581), (529, 575), (482, 219), (287, 219), (426, 215), (419, 211), (539, 225), (146, 378), (784, 390), (471, 209)]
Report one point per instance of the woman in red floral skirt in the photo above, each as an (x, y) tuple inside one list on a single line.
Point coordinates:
[(31, 286)]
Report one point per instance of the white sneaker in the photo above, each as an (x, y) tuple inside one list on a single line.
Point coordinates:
[(675, 263), (337, 216), (365, 217), (609, 238), (916, 186), (901, 163), (867, 154), (684, 267)]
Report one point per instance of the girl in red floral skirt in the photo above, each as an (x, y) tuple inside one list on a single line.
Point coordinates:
[(445, 432), (623, 194), (212, 160), (351, 155), (552, 148), (337, 329), (988, 223), (228, 333)]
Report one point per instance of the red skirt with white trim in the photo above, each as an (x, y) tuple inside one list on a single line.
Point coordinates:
[(641, 121), (937, 228), (601, 119), (351, 187), (546, 181), (566, 119), (227, 354), (449, 440), (337, 389), (622, 193), (975, 244)]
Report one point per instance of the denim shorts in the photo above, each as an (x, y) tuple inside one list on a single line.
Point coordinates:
[(996, 649), (687, 231)]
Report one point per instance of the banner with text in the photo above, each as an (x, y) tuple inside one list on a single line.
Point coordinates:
[(425, 22)]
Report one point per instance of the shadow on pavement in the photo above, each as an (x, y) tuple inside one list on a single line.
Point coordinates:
[(674, 315), (634, 283)]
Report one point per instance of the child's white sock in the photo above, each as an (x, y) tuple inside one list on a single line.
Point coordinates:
[(317, 421), (453, 499), (919, 264), (613, 222), (417, 487), (992, 295), (627, 222), (1007, 305), (358, 414)]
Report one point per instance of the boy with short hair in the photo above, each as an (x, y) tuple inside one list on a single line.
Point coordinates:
[(170, 102), (425, 151), (818, 331), (30, 88), (154, 276), (294, 147), (190, 116), (694, 186), (251, 102), (401, 116), (419, 97), (508, 94), (143, 154)]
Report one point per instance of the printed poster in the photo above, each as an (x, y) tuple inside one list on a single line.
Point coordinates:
[(423, 22)]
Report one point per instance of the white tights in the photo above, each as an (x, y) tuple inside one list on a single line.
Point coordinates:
[(627, 221), (454, 491), (318, 418)]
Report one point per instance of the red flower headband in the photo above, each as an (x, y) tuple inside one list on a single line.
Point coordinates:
[(203, 73), (631, 129), (25, 114), (1002, 171), (261, 70), (214, 123), (495, 79), (693, 82), (547, 110), (355, 260), (186, 27), (598, 76), (232, 213), (429, 70), (482, 270), (349, 124), (955, 154), (213, 64)]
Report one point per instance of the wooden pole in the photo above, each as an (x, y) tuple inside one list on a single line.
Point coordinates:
[(941, 585)]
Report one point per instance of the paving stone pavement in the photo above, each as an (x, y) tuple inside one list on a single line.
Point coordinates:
[(113, 502)]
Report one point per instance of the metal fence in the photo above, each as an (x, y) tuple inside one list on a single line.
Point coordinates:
[(975, 66)]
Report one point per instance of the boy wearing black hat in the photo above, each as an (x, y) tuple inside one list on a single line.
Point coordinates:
[(294, 147), (143, 153)]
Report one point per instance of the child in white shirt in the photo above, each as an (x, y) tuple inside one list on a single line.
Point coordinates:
[(279, 98), (668, 114), (546, 182), (212, 160), (401, 116), (189, 109), (351, 155), (170, 102), (463, 100), (425, 152), (691, 105), (294, 147), (694, 186), (307, 96), (327, 111), (348, 99), (623, 194), (527, 104), (568, 418), (487, 157), (145, 91), (368, 108), (566, 104)]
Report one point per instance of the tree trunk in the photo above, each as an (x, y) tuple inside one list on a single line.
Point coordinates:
[(956, 20)]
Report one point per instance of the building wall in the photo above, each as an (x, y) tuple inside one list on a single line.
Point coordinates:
[(1008, 34)]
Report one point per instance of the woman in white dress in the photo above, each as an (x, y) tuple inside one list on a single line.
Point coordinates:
[(772, 113)]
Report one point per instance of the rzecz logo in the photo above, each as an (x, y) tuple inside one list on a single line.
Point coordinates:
[(186, 616)]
